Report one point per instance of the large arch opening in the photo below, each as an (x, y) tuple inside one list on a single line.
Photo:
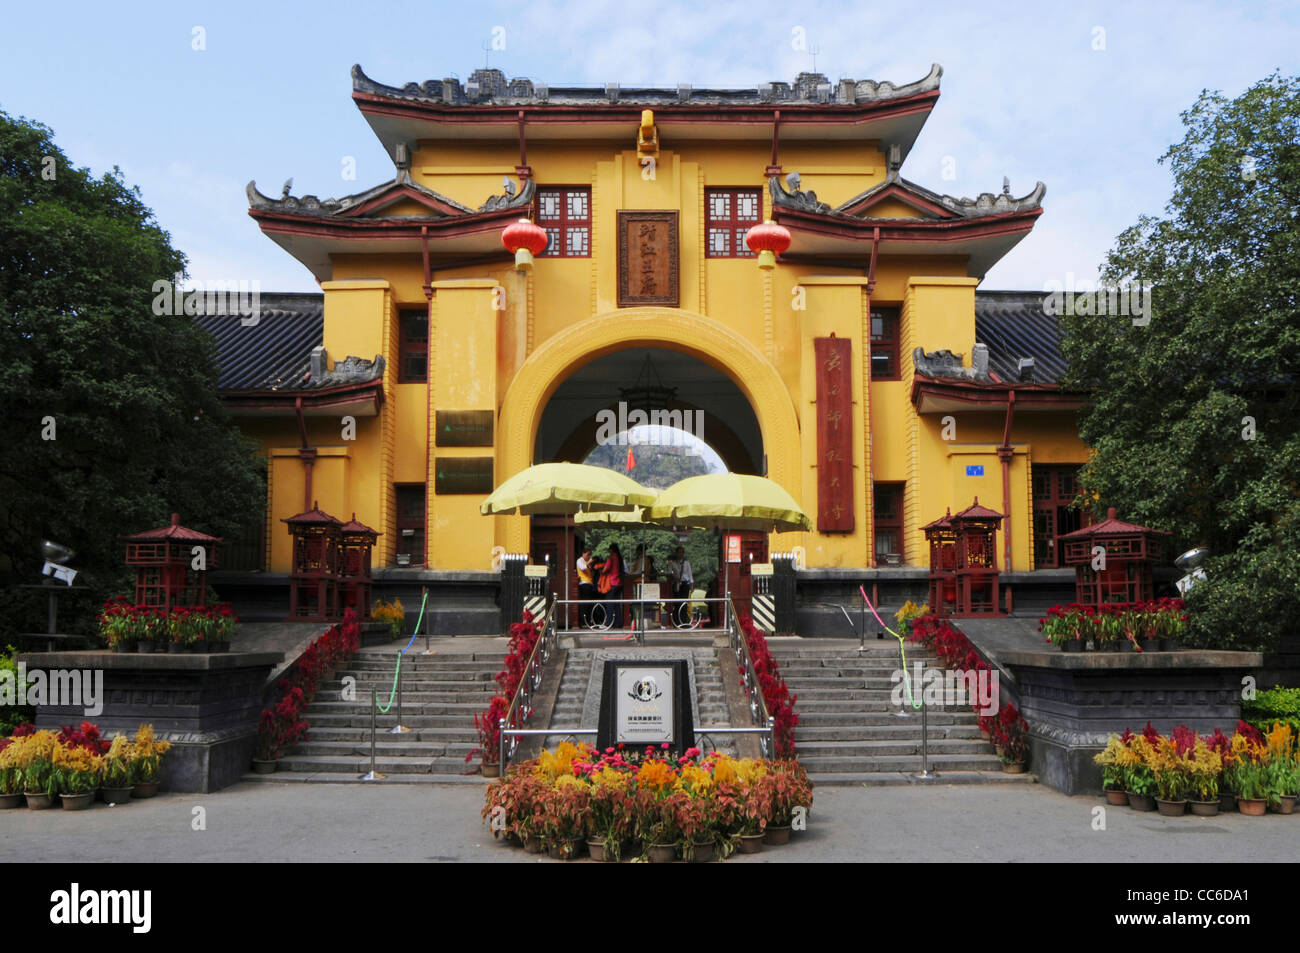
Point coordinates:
[(678, 415)]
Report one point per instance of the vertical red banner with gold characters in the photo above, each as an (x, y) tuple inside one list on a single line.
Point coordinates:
[(834, 434)]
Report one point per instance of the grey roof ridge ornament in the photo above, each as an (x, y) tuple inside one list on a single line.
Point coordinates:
[(985, 204), (794, 199), (523, 199), (492, 88), (350, 370), (945, 365), (311, 205)]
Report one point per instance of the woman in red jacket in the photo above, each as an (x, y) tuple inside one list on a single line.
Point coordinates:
[(610, 583)]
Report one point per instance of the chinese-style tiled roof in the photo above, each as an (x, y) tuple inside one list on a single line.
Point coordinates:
[(274, 353), (489, 87), (313, 517), (986, 203), (1111, 526), (172, 531), (977, 512), (356, 526), (439, 206), (943, 522), (1015, 325)]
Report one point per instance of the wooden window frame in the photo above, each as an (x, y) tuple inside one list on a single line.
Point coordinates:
[(408, 348), (890, 523), (564, 226), (418, 542), (735, 226), (887, 344)]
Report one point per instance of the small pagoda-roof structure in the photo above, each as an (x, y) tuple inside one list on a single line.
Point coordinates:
[(172, 531), (1131, 552)]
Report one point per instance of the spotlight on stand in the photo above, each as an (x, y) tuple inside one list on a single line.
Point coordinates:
[(55, 555), (1190, 563)]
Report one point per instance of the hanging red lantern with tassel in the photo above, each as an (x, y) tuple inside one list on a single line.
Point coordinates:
[(767, 241), (524, 239)]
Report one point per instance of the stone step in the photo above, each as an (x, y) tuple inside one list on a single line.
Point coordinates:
[(874, 715), (865, 748), (386, 746), (338, 777), (359, 735), (884, 732), (357, 765), (898, 763), (467, 709), (359, 718), (885, 778)]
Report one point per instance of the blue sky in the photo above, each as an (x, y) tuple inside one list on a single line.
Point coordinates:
[(1026, 93)]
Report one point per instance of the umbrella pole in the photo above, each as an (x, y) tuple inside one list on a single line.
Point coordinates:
[(568, 558)]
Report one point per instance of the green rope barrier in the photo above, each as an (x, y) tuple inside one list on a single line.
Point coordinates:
[(398, 670), (902, 649)]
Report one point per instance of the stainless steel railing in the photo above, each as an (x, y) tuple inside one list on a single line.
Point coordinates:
[(766, 724), (521, 710)]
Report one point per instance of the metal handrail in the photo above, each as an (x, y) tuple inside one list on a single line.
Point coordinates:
[(516, 716), (749, 683)]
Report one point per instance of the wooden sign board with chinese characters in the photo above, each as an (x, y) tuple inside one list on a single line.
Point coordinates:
[(834, 434), (648, 259)]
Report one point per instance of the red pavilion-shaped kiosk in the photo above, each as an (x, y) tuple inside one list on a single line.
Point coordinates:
[(314, 571), (1121, 570), (169, 570), (964, 562)]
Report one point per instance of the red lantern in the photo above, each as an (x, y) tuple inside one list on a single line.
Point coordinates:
[(768, 240), (524, 239)]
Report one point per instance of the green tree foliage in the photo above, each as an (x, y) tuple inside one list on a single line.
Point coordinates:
[(701, 548), (1195, 417), (139, 430)]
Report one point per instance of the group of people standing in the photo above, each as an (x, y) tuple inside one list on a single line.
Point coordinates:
[(610, 579)]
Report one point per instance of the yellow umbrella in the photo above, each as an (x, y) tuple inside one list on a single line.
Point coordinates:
[(734, 501), (565, 488)]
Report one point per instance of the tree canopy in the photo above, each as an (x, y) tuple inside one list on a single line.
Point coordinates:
[(112, 419), (1195, 416)]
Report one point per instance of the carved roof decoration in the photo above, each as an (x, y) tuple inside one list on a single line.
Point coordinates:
[(359, 203), (945, 365), (936, 204), (490, 87), (509, 199)]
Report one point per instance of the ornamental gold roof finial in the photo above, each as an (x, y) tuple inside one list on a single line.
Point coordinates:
[(647, 137)]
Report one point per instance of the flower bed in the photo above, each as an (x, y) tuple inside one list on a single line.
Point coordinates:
[(1146, 626), (624, 802), (776, 694), (282, 725), (1007, 731), (76, 762), (124, 626), (1184, 767), (523, 638)]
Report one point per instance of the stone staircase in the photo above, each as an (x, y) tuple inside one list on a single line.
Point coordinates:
[(850, 733), (440, 696)]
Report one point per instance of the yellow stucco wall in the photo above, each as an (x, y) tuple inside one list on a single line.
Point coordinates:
[(503, 342)]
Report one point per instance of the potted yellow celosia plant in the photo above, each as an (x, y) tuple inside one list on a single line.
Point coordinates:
[(77, 771), (146, 761), (117, 783)]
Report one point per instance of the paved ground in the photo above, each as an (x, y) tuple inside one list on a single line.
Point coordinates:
[(299, 822)]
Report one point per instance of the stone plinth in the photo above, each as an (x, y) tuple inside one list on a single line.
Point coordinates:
[(1073, 702), (207, 706)]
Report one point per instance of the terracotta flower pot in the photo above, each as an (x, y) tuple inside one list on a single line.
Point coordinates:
[(1204, 808), (77, 802), (492, 770), (596, 849), (1141, 802), (145, 789), (1013, 767), (1286, 805), (1252, 806), (662, 853), (39, 802), (1171, 808), (750, 843), (8, 801), (776, 836), (115, 795), (265, 765), (1116, 798)]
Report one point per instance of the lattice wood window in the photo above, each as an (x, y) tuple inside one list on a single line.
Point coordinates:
[(728, 215), (884, 344), (565, 215), (888, 519), (413, 361)]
